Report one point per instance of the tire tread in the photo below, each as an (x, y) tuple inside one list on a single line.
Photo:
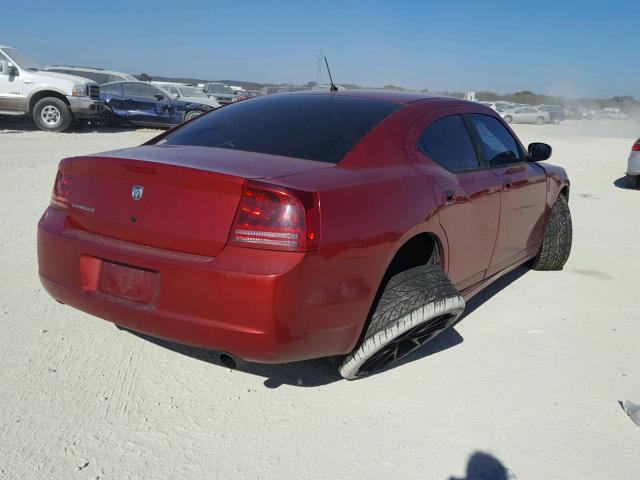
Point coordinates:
[(558, 236)]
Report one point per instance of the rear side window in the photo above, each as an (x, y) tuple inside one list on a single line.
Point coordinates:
[(447, 142), (500, 148), (95, 76), (313, 127)]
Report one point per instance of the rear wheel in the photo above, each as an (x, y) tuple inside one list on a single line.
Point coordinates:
[(540, 120), (414, 307), (508, 119), (556, 120), (52, 114), (556, 244)]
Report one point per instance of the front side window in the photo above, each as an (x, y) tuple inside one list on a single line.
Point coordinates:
[(141, 90), (447, 142), (499, 146), (22, 60)]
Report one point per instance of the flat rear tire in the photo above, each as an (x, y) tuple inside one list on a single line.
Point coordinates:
[(415, 306)]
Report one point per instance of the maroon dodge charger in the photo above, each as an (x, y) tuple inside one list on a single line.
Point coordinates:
[(349, 224)]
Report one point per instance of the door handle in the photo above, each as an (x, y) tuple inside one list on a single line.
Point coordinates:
[(506, 183)]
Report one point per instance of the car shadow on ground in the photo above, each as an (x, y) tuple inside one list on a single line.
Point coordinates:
[(483, 466), (628, 182), (318, 372), (21, 124)]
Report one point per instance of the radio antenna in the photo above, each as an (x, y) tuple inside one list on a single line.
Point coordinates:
[(333, 85)]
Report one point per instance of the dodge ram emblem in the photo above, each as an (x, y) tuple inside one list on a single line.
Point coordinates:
[(136, 192)]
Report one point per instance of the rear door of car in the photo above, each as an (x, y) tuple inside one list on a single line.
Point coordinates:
[(467, 194), (523, 191), (522, 116)]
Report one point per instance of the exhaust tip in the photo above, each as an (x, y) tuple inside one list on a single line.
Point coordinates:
[(228, 361)]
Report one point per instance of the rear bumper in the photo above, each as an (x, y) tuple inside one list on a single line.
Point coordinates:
[(261, 306), (85, 107), (633, 165)]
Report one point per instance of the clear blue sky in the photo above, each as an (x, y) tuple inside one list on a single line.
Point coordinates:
[(571, 48)]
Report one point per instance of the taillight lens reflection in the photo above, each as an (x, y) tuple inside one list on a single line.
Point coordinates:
[(61, 190), (276, 218), (636, 146)]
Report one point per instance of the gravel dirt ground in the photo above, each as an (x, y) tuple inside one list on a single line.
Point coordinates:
[(531, 377)]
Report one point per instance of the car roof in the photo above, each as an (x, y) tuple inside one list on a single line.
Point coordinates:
[(129, 81), (85, 69), (383, 95)]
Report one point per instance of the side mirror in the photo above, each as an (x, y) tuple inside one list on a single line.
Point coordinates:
[(159, 96), (539, 151)]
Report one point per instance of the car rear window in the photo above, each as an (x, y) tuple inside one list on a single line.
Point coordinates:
[(312, 127)]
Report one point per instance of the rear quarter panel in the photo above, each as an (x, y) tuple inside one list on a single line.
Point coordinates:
[(370, 205)]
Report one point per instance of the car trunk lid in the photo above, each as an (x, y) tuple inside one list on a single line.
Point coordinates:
[(177, 198)]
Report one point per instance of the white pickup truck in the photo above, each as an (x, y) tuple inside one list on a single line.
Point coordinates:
[(55, 101)]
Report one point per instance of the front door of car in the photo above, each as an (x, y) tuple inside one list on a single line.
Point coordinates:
[(520, 115), (467, 195), (524, 192), (12, 97), (146, 104), (532, 115)]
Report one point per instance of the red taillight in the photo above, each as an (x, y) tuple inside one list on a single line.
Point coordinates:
[(61, 188), (636, 146), (276, 218)]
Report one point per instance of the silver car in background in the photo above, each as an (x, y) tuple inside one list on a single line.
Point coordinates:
[(633, 164), (525, 115), (220, 92), (188, 93)]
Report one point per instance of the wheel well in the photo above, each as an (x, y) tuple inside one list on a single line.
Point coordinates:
[(565, 192), (419, 250), (46, 93)]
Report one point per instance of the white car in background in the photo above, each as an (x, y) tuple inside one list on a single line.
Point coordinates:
[(55, 101), (188, 93), (525, 115), (633, 164), (98, 75)]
